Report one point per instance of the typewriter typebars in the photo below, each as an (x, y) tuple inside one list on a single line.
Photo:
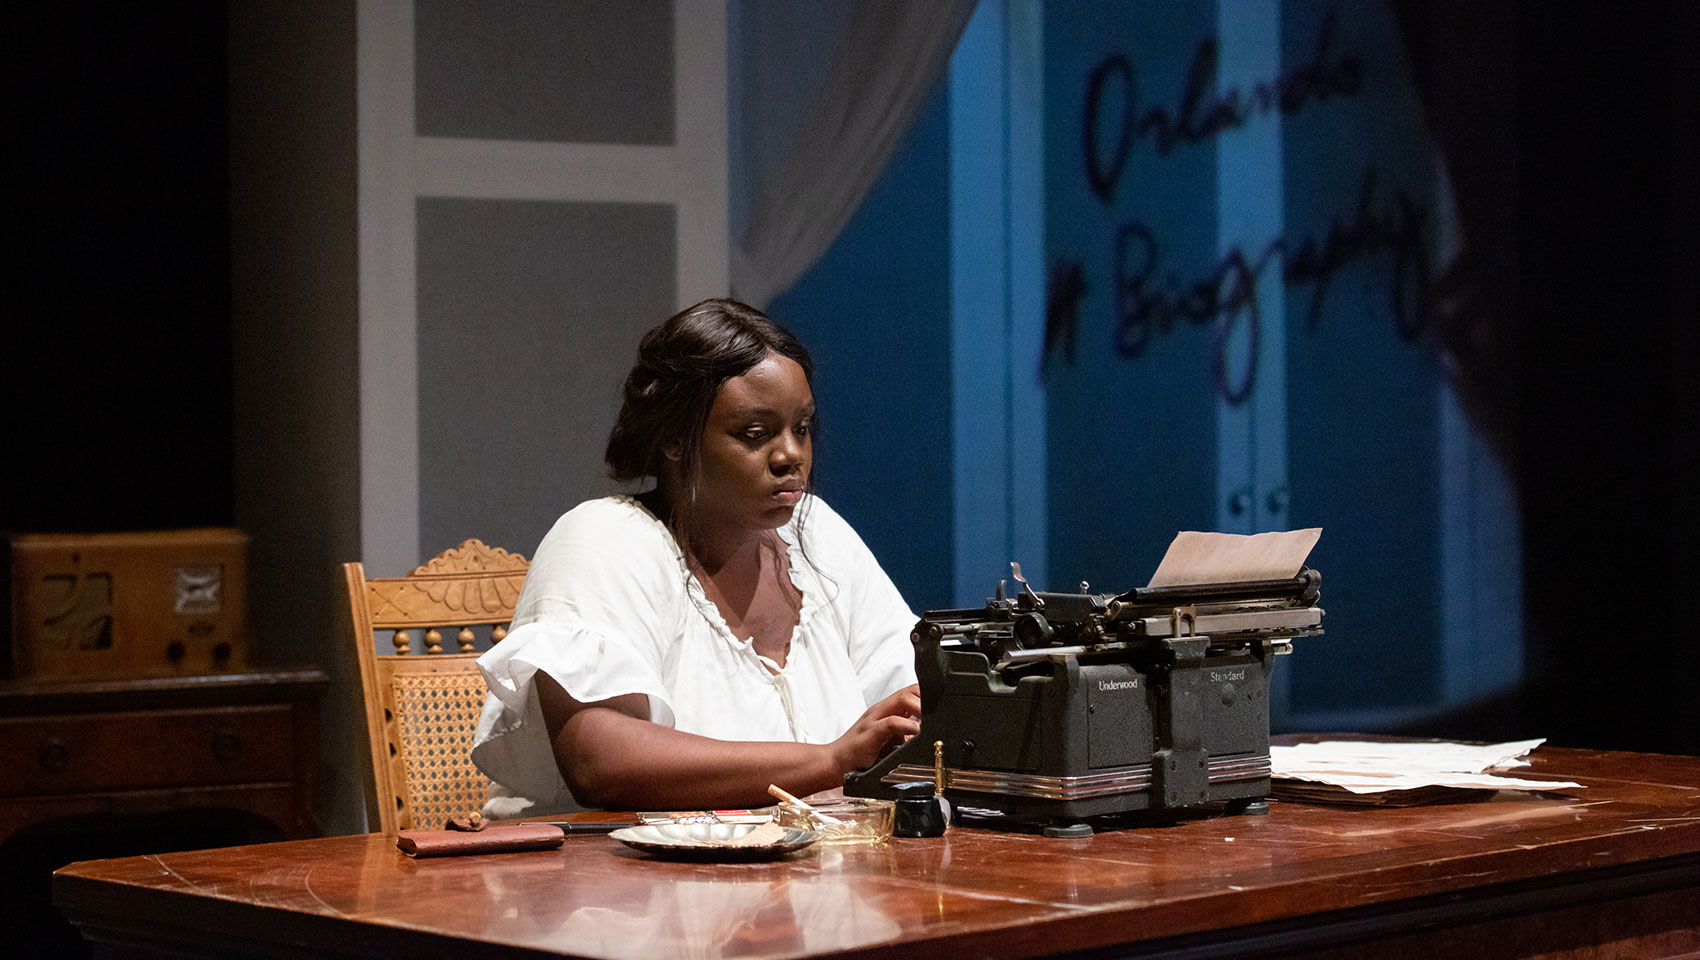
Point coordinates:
[(1059, 707)]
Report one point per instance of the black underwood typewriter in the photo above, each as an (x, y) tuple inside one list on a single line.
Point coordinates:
[(1058, 708)]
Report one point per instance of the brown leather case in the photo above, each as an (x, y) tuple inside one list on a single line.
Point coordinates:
[(494, 839)]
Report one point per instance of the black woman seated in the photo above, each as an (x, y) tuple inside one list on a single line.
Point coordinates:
[(685, 647)]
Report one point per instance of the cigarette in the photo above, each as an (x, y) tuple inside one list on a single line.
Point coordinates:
[(784, 797)]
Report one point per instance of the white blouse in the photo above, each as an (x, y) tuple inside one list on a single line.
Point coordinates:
[(609, 608)]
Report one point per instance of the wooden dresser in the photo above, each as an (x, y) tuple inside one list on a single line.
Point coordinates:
[(126, 748)]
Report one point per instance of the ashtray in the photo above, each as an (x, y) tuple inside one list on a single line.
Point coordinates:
[(716, 841), (858, 820)]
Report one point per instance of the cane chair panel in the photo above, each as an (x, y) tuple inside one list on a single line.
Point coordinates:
[(422, 703)]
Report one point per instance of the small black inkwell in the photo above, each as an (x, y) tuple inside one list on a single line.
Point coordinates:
[(919, 811), (922, 810)]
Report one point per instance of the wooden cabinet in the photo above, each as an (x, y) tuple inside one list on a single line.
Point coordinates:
[(246, 742)]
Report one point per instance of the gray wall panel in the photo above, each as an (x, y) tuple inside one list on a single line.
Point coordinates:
[(587, 71), (529, 318)]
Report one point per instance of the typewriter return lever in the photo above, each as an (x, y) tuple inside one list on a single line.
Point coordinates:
[(1033, 598), (1031, 628)]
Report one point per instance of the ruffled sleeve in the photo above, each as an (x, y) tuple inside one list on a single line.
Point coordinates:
[(598, 613)]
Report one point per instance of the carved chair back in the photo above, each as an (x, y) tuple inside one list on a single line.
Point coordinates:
[(422, 704)]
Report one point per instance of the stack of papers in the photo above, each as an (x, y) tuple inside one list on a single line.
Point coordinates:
[(1398, 774)]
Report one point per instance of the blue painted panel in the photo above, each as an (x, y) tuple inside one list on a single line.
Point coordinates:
[(1251, 408), (1131, 423), (875, 312), (997, 298), (1298, 177), (985, 498), (1362, 398)]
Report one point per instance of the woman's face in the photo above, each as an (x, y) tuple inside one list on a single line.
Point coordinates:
[(757, 447)]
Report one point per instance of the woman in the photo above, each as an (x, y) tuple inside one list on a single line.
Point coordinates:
[(688, 646)]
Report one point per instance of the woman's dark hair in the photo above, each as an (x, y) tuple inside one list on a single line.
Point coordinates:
[(680, 367)]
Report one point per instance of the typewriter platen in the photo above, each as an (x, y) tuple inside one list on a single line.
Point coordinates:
[(1059, 707)]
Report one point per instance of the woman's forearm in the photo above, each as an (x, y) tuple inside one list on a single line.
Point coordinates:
[(615, 761)]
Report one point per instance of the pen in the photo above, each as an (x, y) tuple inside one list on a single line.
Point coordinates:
[(583, 826)]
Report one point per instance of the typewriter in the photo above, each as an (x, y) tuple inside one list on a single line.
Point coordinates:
[(1065, 709)]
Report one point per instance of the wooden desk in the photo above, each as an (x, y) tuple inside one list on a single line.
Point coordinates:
[(1612, 871)]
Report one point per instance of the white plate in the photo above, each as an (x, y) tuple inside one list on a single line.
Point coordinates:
[(700, 841)]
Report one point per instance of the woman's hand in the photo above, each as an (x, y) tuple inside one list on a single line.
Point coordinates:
[(884, 725)]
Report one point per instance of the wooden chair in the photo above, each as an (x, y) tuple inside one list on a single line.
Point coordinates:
[(422, 708)]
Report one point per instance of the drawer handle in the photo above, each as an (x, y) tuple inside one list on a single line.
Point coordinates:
[(55, 755), (226, 744)]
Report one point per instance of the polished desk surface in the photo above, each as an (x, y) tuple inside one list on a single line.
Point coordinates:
[(1209, 887)]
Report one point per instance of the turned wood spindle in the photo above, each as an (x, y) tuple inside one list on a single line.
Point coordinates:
[(401, 643), (464, 638), (433, 641), (497, 632)]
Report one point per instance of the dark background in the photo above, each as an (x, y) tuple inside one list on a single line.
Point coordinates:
[(1570, 133), (1608, 314), (118, 360)]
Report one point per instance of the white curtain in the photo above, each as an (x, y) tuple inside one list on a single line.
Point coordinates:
[(809, 144)]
